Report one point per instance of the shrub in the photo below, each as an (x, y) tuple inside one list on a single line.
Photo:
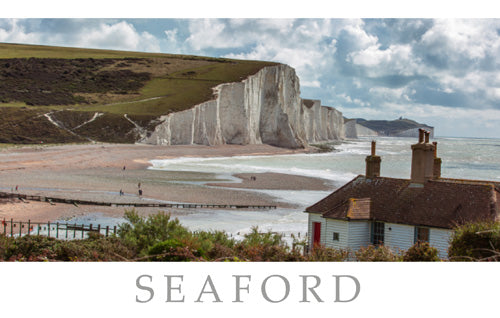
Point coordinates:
[(376, 254), (478, 241), (321, 253), (206, 241), (95, 248), (30, 248), (421, 252), (171, 251), (142, 233), (268, 246)]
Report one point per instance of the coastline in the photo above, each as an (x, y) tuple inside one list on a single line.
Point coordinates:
[(96, 172)]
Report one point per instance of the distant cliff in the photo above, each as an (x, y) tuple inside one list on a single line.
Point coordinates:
[(359, 127), (265, 108)]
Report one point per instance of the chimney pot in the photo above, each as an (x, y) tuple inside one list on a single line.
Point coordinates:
[(373, 163), (422, 162), (420, 135)]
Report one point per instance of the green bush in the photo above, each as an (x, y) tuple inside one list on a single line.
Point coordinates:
[(373, 253), (321, 253), (30, 248), (212, 244), (478, 241), (142, 233), (42, 248), (265, 246), (170, 251), (421, 252)]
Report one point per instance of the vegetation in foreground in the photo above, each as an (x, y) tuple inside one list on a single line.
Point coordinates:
[(159, 237)]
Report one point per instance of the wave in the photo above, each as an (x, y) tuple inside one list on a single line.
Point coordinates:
[(231, 165)]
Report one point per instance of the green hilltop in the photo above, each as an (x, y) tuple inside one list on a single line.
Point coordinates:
[(73, 84)]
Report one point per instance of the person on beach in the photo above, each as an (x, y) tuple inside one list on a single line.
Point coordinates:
[(17, 188), (140, 192), (121, 192), (124, 168), (139, 185)]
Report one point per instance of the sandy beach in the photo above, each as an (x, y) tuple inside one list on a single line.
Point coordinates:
[(97, 172)]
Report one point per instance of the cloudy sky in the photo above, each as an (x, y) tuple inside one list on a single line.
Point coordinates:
[(442, 72)]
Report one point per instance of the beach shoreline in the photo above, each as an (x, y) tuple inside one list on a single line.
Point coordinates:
[(97, 172)]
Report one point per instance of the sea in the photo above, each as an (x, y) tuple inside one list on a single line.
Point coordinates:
[(462, 158)]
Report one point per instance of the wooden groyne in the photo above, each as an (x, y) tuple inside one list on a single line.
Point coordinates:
[(76, 202), (57, 230)]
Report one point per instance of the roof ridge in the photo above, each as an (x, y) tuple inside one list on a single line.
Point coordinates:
[(467, 181), (335, 191)]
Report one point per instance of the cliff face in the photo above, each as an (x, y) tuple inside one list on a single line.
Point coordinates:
[(355, 130), (360, 127), (264, 108)]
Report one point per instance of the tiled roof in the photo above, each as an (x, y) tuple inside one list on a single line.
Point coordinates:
[(441, 203)]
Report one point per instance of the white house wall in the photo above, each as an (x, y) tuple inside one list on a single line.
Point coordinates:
[(316, 218), (337, 226), (440, 239), (359, 234), (399, 237), (356, 234)]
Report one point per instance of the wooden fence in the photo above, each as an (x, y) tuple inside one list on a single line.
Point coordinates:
[(57, 229), (133, 204)]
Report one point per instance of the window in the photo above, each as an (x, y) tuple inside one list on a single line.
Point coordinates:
[(378, 233), (421, 234), (335, 236)]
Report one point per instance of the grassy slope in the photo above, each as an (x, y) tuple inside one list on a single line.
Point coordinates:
[(177, 82)]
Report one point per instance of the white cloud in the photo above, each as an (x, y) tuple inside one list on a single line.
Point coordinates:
[(396, 59), (13, 32), (471, 39), (360, 39), (171, 35), (391, 94), (209, 33), (316, 84), (119, 35)]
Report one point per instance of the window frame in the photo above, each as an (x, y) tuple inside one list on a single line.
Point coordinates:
[(418, 233), (336, 236), (378, 233)]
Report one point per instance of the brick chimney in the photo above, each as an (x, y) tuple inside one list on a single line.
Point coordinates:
[(436, 172), (373, 163), (422, 161)]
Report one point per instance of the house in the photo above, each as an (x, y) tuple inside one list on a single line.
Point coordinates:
[(371, 209)]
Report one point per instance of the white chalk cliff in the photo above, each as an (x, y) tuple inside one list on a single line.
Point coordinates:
[(265, 108)]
